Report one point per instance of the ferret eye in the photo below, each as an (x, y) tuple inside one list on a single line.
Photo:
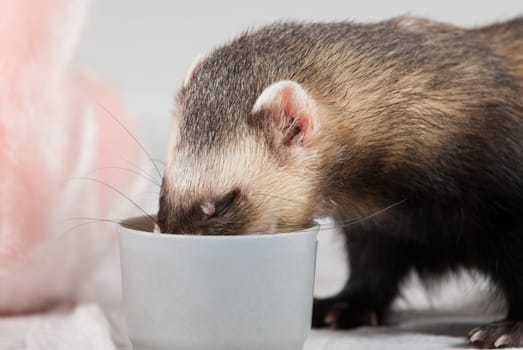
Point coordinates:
[(226, 202)]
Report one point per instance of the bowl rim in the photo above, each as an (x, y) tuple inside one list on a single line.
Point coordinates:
[(125, 226)]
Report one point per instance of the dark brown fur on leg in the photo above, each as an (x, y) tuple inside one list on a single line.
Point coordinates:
[(377, 263)]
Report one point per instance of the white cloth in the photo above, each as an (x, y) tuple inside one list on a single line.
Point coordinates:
[(83, 328), (383, 338)]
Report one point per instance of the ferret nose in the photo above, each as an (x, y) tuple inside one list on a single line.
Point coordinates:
[(169, 223)]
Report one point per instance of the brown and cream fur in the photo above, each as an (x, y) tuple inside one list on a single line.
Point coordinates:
[(297, 121)]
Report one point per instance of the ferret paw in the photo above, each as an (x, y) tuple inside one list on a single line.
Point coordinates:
[(337, 314), (497, 335)]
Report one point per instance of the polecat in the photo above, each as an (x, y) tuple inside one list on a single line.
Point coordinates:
[(297, 121)]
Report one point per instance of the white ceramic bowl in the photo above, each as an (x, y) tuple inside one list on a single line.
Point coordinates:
[(184, 292)]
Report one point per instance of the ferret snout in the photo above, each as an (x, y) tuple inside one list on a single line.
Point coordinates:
[(219, 215)]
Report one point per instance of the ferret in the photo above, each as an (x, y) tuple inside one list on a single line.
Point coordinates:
[(296, 121)]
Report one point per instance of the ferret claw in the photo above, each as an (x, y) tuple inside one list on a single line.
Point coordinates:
[(477, 336), (473, 331), (503, 341), (332, 318), (499, 334)]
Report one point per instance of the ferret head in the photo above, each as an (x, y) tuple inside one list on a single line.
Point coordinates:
[(242, 156)]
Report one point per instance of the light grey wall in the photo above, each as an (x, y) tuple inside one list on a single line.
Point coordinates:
[(145, 47)]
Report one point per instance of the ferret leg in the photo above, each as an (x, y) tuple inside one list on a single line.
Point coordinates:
[(508, 273), (377, 263)]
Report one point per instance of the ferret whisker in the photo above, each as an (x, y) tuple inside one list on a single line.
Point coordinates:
[(138, 168), (367, 217), (72, 229), (324, 227), (117, 191), (92, 220), (162, 162), (143, 175), (78, 218), (132, 136), (156, 193)]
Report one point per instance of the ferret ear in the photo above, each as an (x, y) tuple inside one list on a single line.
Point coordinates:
[(195, 65), (291, 112)]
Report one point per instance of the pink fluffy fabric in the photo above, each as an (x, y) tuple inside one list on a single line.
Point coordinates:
[(57, 127)]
